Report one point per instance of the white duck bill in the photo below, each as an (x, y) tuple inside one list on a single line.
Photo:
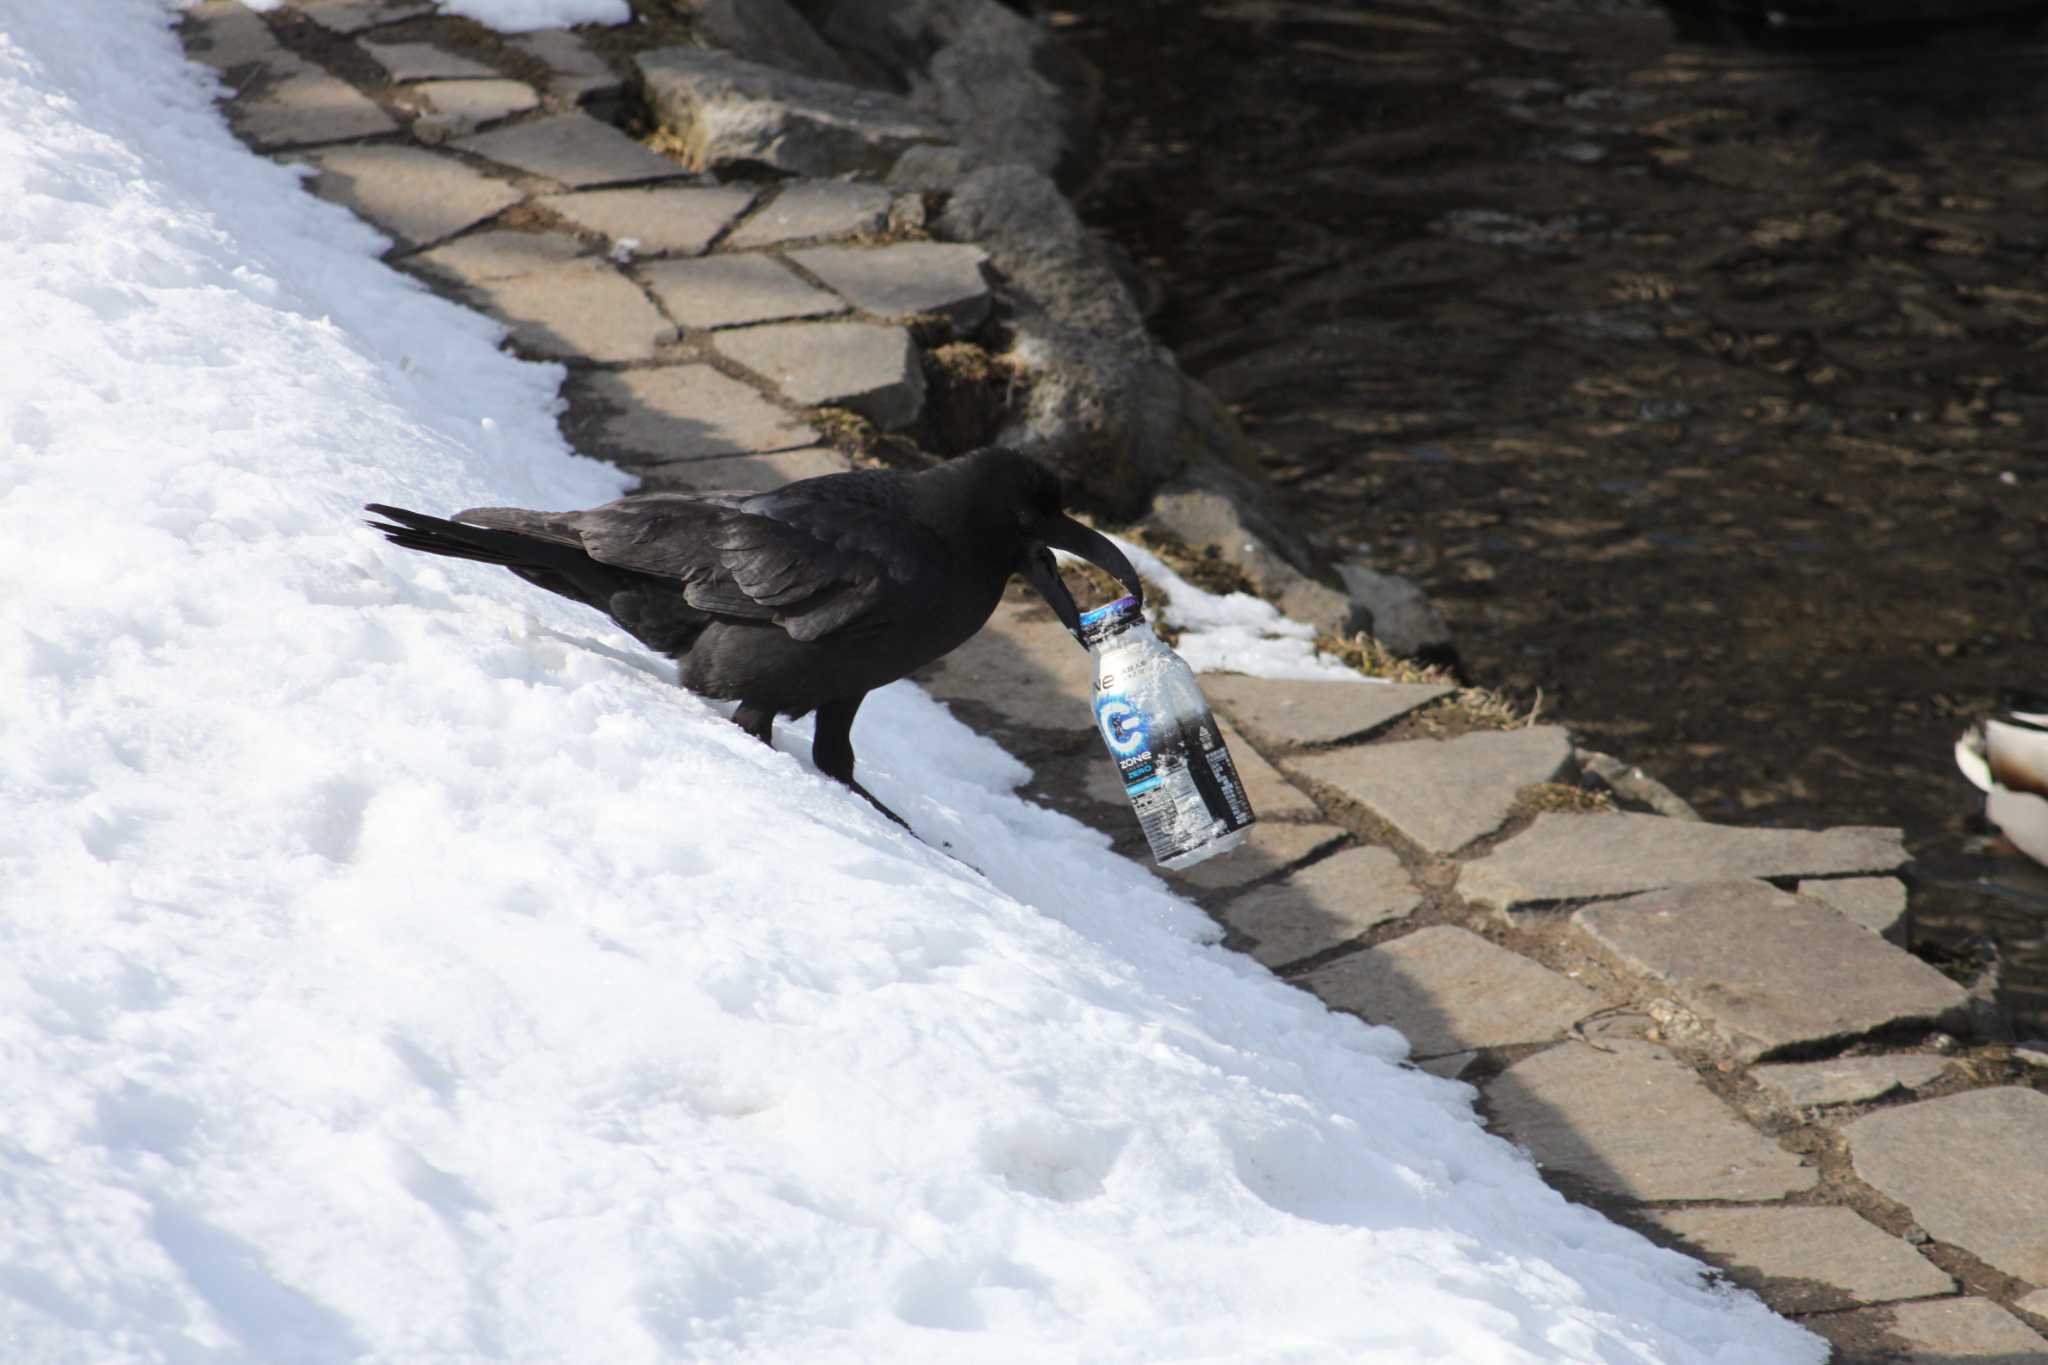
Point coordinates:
[(2017, 756), (2021, 817)]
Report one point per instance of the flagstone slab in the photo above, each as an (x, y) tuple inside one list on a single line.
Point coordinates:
[(1267, 849), (1633, 1121), (348, 17), (659, 220), (1969, 1168), (1272, 796), (1285, 714), (405, 62), (1442, 793), (573, 149), (1876, 903), (1967, 1331), (1324, 905), (415, 195), (304, 106), (451, 109), (1449, 990), (812, 209), (1766, 970), (558, 302), (905, 279), (868, 368), (727, 110), (1564, 856), (726, 291), (1806, 1260), (1845, 1080), (576, 72), (226, 34), (747, 473), (689, 412)]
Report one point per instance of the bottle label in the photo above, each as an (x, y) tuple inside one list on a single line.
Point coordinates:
[(1129, 738)]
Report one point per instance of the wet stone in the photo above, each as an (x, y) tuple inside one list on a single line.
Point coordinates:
[(746, 473), (1449, 990), (359, 16), (1806, 1260), (1324, 905), (660, 220), (424, 62), (1272, 796), (577, 71), (870, 369), (689, 412), (727, 110), (1565, 856), (814, 209), (906, 279), (1767, 970), (558, 302), (304, 106), (1267, 849), (1876, 903), (726, 291), (1845, 1080), (574, 149), (1969, 1169), (1283, 714), (451, 109), (1442, 793), (1637, 1123), (417, 196)]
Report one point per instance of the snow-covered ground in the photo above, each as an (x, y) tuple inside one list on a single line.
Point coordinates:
[(395, 966)]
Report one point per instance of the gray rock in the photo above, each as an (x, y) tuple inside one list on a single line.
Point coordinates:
[(906, 279), (746, 473), (1267, 848), (574, 149), (1767, 970), (1442, 793), (452, 109), (815, 209), (2035, 1303), (1805, 1260), (359, 16), (1845, 1080), (577, 73), (659, 220), (869, 369), (1203, 516), (725, 291), (766, 31), (417, 196), (424, 62), (1969, 1169), (931, 166), (1631, 787), (1287, 714), (1323, 905), (1008, 91), (1963, 1331), (1448, 989), (729, 111), (689, 412), (1876, 903), (230, 37), (303, 106), (1272, 796), (1397, 613), (559, 303), (1633, 1121), (1564, 856)]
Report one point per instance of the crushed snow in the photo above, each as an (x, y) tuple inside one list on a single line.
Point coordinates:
[(398, 967)]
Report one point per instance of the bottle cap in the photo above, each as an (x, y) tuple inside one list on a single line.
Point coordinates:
[(1101, 623)]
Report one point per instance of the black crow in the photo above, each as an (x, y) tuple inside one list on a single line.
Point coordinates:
[(802, 599)]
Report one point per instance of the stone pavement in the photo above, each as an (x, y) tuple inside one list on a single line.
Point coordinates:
[(1706, 1031)]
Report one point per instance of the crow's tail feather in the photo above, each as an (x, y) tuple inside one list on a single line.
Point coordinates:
[(439, 536)]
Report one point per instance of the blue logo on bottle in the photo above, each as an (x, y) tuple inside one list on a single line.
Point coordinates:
[(1123, 725)]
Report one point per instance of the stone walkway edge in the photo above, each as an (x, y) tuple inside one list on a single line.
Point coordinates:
[(1707, 1032)]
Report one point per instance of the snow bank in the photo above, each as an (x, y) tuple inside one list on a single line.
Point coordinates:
[(397, 967)]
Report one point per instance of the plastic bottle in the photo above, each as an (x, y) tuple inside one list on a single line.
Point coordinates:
[(1167, 747)]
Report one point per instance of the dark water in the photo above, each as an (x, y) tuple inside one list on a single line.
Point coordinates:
[(1705, 389)]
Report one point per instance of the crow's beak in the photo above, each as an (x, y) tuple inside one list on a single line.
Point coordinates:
[(1064, 533)]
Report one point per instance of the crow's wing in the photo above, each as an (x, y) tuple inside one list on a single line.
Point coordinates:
[(813, 558)]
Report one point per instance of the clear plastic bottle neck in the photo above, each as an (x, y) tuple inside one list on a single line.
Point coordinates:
[(1119, 621)]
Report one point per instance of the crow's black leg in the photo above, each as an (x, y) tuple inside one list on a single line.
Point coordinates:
[(756, 720), (832, 747)]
